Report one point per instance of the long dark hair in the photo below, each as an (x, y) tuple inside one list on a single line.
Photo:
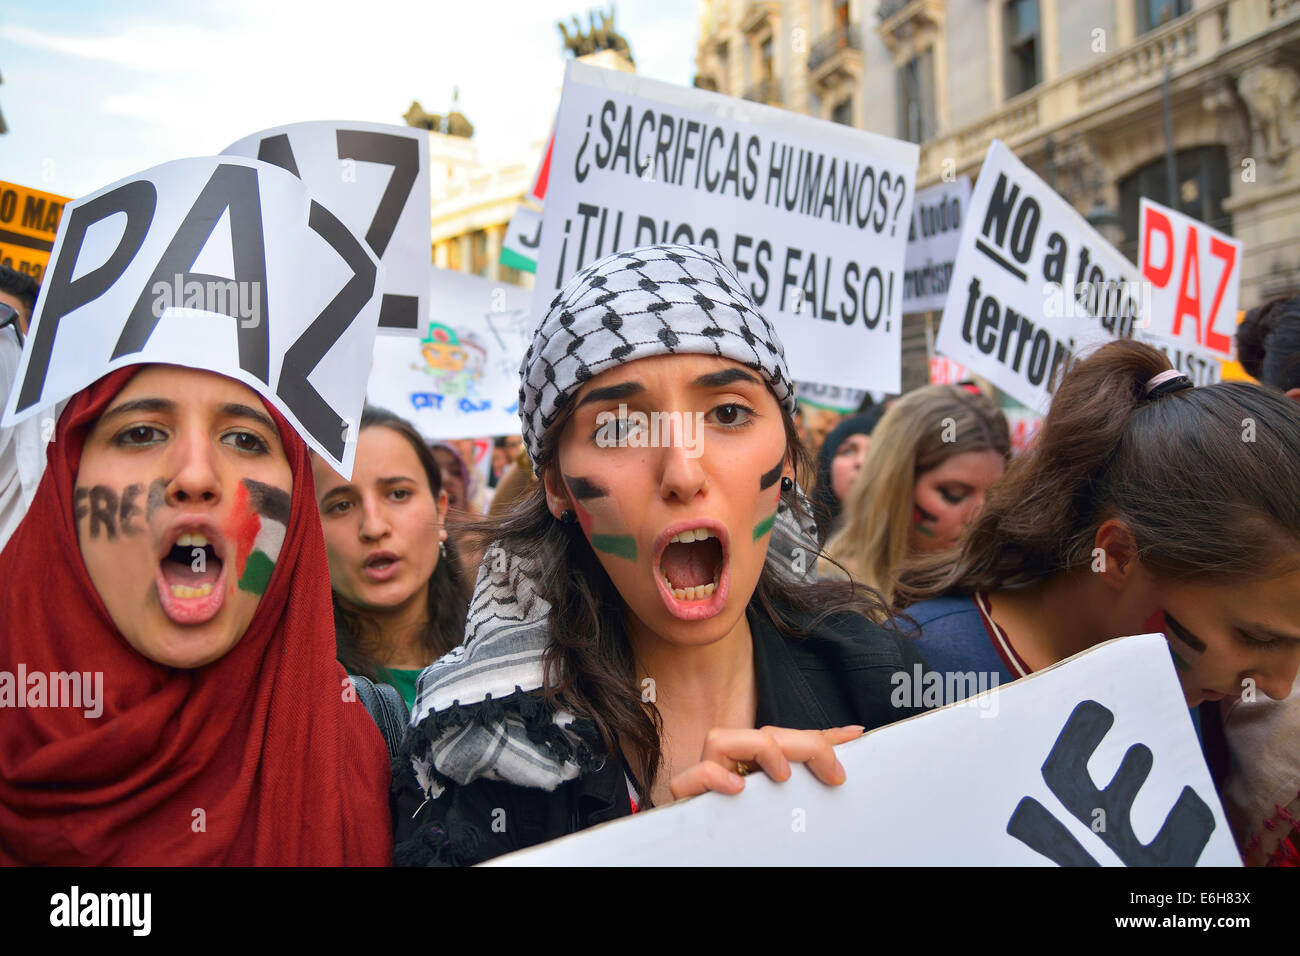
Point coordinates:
[(589, 666), (355, 633), (1207, 480), (1268, 342)]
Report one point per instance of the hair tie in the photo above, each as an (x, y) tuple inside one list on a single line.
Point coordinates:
[(1163, 383)]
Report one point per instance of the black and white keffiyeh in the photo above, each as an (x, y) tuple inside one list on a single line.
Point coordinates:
[(655, 300), (476, 714)]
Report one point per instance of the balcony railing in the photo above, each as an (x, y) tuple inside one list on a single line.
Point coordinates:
[(843, 37), (1194, 41)]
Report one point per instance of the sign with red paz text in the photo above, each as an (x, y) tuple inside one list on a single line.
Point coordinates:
[(1194, 273)]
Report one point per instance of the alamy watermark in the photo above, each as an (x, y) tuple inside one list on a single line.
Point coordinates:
[(77, 689), (926, 688), (626, 429), (242, 300)]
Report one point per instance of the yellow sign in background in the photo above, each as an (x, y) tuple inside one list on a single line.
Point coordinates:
[(29, 220)]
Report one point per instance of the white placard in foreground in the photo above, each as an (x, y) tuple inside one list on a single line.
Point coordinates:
[(1028, 774)]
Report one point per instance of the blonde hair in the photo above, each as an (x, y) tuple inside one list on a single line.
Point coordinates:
[(921, 431)]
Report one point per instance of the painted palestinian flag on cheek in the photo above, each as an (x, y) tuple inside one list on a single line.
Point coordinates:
[(258, 524)]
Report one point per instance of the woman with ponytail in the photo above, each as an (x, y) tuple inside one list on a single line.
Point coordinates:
[(399, 598), (1144, 505)]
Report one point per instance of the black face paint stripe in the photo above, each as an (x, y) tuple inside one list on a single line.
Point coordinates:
[(269, 500), (769, 478), (584, 488), (925, 515), (1184, 635)]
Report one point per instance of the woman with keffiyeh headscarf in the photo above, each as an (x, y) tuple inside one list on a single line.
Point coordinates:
[(221, 729), (643, 628)]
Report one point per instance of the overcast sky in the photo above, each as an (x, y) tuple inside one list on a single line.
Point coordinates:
[(94, 91)]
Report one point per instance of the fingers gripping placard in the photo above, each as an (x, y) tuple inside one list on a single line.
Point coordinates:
[(376, 179), (218, 263)]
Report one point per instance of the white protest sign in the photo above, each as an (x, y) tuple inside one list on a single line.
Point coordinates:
[(1094, 760), (1195, 273), (937, 219), (813, 215), (460, 379), (218, 263), (375, 178), (1033, 283)]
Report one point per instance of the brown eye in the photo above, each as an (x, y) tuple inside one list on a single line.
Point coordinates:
[(246, 442), (140, 435), (732, 415)]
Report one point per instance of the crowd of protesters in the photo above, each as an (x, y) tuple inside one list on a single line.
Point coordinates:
[(511, 617)]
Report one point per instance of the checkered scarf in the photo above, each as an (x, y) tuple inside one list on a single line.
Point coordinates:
[(476, 714), (656, 300)]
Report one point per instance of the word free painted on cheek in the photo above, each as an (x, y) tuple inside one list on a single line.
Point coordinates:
[(109, 511)]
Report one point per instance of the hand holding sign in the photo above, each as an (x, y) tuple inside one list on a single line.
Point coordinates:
[(223, 264), (376, 179)]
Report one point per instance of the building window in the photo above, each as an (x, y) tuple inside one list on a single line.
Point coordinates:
[(1020, 39), (916, 98), (1156, 13), (843, 112), (453, 254), (1202, 188)]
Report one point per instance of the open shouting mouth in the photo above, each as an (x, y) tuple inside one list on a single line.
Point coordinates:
[(192, 573), (691, 568)]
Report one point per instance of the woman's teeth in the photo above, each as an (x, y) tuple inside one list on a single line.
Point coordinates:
[(181, 591), (691, 534), (698, 593), (194, 540)]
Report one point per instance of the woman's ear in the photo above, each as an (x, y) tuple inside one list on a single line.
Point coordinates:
[(557, 495), (441, 505), (1114, 554)]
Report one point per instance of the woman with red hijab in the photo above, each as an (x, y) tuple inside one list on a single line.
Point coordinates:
[(210, 722)]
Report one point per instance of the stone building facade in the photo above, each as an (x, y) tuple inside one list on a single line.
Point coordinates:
[(1080, 91)]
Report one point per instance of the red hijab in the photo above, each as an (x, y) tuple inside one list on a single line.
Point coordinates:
[(256, 758)]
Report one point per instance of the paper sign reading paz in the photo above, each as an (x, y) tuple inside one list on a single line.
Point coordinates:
[(375, 178), (218, 263), (1092, 761), (813, 215), (1195, 273)]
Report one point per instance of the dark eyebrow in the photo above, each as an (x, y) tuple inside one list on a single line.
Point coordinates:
[(621, 390), (336, 490), (725, 377), (141, 405), (236, 410), (395, 480)]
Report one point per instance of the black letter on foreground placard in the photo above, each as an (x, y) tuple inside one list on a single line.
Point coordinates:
[(232, 188), (326, 329), (1181, 839), (403, 154), (62, 295)]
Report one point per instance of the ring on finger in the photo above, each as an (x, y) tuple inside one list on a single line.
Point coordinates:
[(742, 768)]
